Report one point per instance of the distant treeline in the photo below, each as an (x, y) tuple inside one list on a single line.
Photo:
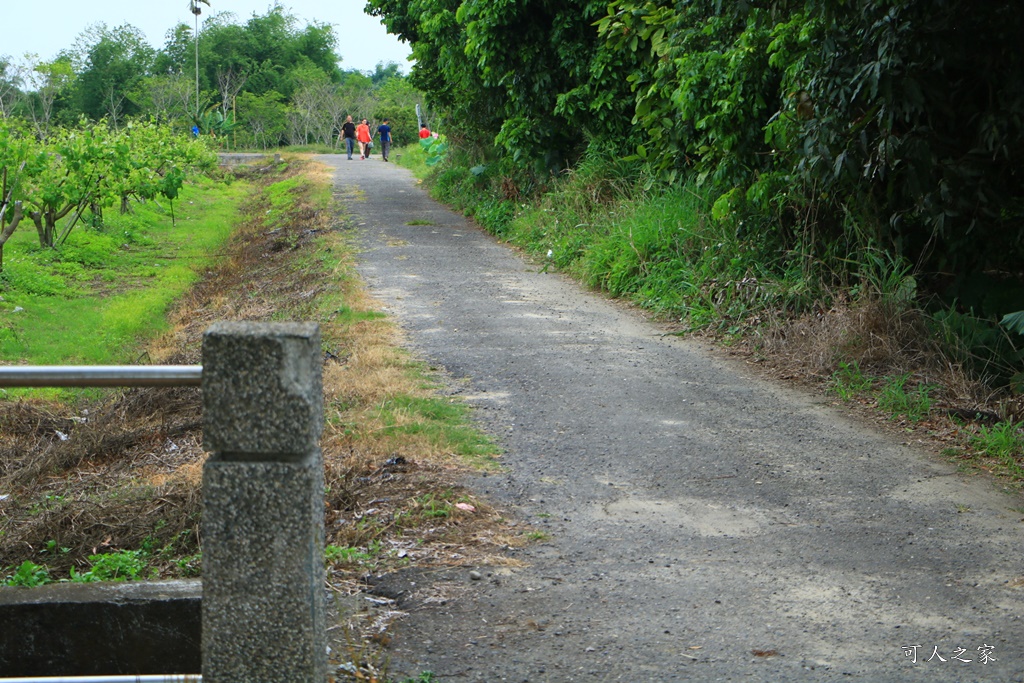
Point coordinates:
[(263, 83)]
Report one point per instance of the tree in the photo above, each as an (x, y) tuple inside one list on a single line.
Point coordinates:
[(264, 116), (396, 100), (48, 82), (114, 63), (11, 81), (17, 150), (66, 176), (503, 69), (193, 6), (315, 107), (229, 84), (382, 72)]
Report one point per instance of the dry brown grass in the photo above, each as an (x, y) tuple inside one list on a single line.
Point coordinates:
[(883, 338), (130, 471), (880, 337)]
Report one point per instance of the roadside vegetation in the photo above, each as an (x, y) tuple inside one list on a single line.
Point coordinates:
[(104, 484), (273, 250), (858, 326), (827, 187)]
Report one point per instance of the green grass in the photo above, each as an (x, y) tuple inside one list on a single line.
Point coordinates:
[(441, 421), (28, 575), (424, 677), (347, 316), (849, 381), (896, 399), (1005, 443), (414, 158), (95, 298), (334, 554), (124, 565)]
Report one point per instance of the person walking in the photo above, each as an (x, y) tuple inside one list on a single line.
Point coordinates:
[(385, 139), (348, 134), (363, 136)]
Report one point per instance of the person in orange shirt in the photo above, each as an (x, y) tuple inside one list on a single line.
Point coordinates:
[(424, 131), (363, 136)]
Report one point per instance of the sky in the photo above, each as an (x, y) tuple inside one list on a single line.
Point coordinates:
[(44, 27)]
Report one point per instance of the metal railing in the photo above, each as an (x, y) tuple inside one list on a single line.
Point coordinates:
[(169, 678), (100, 375), (262, 400)]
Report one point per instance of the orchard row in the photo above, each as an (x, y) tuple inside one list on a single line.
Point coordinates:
[(84, 170)]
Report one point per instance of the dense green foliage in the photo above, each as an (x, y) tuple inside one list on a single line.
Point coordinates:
[(56, 181), (825, 127), (92, 297), (723, 162), (261, 83)]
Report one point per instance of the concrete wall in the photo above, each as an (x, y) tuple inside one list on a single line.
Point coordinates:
[(94, 629)]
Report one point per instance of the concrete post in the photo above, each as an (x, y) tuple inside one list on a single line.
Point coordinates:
[(263, 515)]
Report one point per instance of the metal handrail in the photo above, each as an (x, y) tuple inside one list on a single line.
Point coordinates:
[(165, 678), (100, 375)]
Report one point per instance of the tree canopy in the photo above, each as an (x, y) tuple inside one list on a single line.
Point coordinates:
[(890, 122)]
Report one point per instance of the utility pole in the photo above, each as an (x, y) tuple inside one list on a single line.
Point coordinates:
[(193, 6)]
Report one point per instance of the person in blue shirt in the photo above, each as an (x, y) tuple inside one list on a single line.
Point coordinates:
[(385, 139)]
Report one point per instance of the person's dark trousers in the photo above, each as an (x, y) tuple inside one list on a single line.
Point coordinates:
[(350, 144), (385, 148)]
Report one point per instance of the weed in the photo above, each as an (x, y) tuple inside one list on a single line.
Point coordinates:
[(53, 549), (432, 506), (189, 565), (420, 221), (1005, 443), (849, 381), (126, 565), (424, 677), (29, 574), (537, 536), (348, 316), (334, 554), (362, 660), (895, 399)]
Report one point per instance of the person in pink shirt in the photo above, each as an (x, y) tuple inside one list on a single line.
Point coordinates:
[(363, 136)]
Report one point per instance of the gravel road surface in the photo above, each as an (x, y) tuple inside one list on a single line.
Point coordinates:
[(705, 525)]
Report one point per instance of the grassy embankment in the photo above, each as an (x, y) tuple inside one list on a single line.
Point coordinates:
[(854, 325), (105, 484), (102, 294)]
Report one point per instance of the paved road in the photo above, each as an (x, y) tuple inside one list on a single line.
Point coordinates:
[(705, 525)]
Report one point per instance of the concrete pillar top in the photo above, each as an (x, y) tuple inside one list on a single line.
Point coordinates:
[(262, 391)]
